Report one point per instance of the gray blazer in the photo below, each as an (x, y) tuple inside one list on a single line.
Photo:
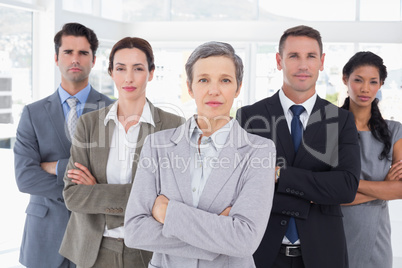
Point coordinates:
[(198, 237), (42, 137), (102, 204)]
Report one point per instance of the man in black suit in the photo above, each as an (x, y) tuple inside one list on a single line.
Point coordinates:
[(318, 160)]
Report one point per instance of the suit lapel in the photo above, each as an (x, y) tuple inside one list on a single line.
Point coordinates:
[(219, 176), (280, 130), (104, 142), (56, 116), (92, 101), (145, 130), (180, 161), (314, 127)]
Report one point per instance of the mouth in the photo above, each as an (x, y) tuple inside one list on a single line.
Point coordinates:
[(213, 103), (75, 69), (302, 76), (364, 98), (129, 89)]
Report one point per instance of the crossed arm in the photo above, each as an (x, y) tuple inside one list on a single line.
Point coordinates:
[(388, 189)]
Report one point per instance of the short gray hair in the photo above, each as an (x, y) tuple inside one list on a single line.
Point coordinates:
[(211, 49)]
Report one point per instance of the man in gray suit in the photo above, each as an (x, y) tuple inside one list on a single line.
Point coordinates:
[(42, 148)]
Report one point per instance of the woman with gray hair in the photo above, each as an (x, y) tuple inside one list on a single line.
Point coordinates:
[(203, 192)]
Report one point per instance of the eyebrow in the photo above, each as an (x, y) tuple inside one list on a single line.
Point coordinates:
[(136, 64)]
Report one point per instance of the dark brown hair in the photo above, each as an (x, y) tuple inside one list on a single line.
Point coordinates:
[(133, 42), (300, 30), (76, 29)]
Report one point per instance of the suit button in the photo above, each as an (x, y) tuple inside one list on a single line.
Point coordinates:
[(287, 190), (301, 193), (283, 222), (288, 213), (283, 211), (297, 192), (292, 213), (292, 191), (296, 213)]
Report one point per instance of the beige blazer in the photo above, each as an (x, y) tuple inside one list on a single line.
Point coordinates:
[(102, 204)]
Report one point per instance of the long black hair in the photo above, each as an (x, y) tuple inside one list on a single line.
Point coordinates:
[(376, 123)]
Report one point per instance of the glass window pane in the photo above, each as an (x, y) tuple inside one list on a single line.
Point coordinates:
[(150, 10), (15, 63), (99, 77), (386, 10), (78, 6), (311, 10), (214, 10)]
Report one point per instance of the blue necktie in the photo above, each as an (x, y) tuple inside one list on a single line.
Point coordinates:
[(297, 133)]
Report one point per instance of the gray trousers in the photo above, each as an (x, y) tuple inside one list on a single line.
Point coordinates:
[(113, 253)]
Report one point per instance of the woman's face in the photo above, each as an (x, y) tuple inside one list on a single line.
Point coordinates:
[(214, 86), (130, 73), (363, 85)]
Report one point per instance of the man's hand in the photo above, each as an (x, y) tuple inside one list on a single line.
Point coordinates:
[(225, 212), (159, 208), (277, 173), (49, 167), (81, 175)]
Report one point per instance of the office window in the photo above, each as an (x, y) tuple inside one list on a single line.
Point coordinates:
[(374, 10), (78, 6), (311, 10), (214, 10), (15, 68), (99, 77)]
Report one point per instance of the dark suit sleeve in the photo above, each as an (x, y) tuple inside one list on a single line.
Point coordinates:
[(338, 184), (30, 177)]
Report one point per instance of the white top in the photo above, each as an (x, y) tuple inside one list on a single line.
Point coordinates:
[(308, 107), (121, 154), (287, 103), (204, 157)]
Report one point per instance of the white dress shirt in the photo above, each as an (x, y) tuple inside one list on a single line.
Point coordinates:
[(308, 108), (121, 154), (204, 157)]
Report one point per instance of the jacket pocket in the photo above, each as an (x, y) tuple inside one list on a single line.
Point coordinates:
[(36, 210)]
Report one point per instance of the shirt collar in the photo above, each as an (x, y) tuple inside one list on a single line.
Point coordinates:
[(82, 95), (218, 138), (287, 103), (146, 115)]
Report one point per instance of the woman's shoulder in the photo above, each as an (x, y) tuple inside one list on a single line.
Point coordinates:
[(394, 127)]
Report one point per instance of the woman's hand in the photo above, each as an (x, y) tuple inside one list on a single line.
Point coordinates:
[(81, 175), (395, 172)]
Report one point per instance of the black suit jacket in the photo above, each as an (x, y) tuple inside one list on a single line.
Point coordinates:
[(313, 182)]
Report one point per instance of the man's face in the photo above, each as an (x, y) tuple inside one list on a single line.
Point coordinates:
[(300, 62), (75, 59)]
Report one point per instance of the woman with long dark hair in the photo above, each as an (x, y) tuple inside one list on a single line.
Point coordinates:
[(366, 219)]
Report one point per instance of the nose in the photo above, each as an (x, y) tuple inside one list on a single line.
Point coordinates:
[(303, 64), (365, 87), (214, 89), (129, 77), (75, 59)]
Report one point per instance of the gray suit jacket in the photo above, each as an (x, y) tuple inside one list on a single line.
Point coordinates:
[(102, 204), (42, 137), (197, 237)]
